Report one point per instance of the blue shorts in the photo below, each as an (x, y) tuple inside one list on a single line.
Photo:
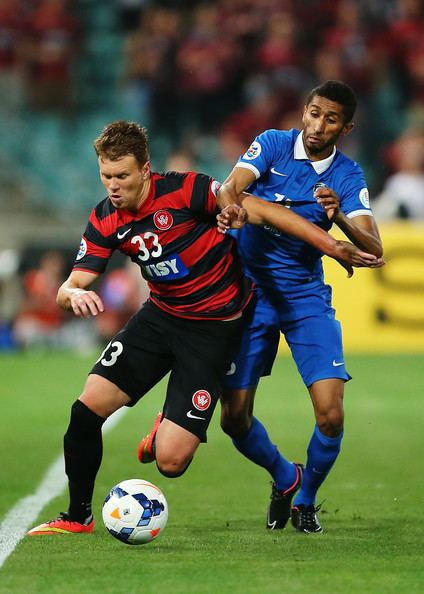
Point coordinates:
[(315, 338)]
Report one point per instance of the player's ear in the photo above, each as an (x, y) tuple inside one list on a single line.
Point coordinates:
[(145, 170), (347, 128), (305, 109)]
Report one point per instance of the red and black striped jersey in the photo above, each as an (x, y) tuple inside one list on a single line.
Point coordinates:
[(193, 271)]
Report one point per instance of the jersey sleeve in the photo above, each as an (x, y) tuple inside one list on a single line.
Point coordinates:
[(95, 249), (355, 196), (263, 152), (203, 195)]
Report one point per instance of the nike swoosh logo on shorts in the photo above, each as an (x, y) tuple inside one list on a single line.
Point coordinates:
[(232, 369), (122, 235), (336, 364), (192, 416), (273, 170)]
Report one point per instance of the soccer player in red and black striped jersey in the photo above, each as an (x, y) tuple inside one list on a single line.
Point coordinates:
[(191, 325)]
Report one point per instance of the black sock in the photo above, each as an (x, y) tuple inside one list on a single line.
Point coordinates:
[(83, 449)]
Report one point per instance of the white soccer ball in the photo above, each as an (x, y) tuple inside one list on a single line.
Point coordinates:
[(135, 511)]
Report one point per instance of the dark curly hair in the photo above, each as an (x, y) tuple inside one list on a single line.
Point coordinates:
[(339, 92)]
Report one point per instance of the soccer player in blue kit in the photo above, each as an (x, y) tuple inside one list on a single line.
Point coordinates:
[(303, 171)]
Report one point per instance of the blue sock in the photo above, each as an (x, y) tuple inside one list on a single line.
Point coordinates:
[(322, 453), (258, 448)]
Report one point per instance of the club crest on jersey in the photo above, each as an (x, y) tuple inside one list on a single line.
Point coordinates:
[(82, 249), (201, 399), (364, 197), (163, 220), (253, 151)]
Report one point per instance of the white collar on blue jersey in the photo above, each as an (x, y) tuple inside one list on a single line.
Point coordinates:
[(300, 153)]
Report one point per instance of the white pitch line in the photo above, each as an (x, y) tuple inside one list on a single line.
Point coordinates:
[(16, 523)]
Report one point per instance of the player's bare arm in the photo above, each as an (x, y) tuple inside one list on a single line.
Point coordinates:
[(74, 295), (230, 193), (361, 230), (260, 212)]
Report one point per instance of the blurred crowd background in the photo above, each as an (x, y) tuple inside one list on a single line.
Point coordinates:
[(205, 78)]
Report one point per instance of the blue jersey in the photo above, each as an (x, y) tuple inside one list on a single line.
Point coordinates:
[(285, 175)]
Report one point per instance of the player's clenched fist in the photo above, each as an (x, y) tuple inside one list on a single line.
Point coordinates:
[(86, 303)]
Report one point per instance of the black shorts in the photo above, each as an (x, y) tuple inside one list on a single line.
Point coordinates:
[(198, 353)]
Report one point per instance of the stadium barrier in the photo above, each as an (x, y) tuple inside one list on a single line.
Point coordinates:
[(383, 310)]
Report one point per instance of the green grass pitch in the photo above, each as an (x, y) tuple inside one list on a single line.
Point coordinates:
[(216, 541)]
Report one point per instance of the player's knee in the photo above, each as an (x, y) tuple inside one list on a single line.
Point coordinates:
[(83, 421), (173, 465), (237, 411), (235, 423), (330, 422), (171, 473)]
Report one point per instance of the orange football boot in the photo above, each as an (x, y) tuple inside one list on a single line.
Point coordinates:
[(146, 450)]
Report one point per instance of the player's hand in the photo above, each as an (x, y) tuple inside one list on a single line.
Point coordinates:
[(329, 201), (231, 217), (349, 256), (85, 303), (346, 266)]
